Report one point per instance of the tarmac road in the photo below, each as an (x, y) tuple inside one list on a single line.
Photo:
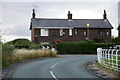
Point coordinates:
[(65, 67)]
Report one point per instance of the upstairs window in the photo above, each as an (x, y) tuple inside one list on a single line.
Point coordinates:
[(70, 32), (44, 32)]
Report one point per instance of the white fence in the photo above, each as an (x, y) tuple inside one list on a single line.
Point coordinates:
[(109, 58)]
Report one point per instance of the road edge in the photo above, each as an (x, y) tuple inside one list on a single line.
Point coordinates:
[(89, 68), (7, 73)]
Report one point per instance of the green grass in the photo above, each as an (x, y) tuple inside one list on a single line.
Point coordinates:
[(114, 61)]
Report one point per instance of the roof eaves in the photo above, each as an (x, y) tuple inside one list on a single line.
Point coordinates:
[(110, 24), (55, 27)]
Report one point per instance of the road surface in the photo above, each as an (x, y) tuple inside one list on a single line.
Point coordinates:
[(66, 67)]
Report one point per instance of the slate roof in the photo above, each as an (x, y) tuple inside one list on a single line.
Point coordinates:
[(75, 23)]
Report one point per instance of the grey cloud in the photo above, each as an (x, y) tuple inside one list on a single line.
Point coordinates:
[(22, 30)]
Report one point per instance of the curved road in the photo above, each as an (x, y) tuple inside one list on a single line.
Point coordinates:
[(65, 67)]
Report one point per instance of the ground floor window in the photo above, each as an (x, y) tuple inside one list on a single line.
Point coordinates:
[(101, 33), (44, 32), (76, 32), (70, 32), (61, 32), (84, 33)]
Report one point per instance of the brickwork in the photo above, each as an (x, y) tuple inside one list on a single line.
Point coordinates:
[(54, 35)]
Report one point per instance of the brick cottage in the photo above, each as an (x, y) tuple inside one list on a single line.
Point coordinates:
[(45, 30)]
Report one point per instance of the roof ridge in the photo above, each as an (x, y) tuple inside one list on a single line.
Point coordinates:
[(65, 19)]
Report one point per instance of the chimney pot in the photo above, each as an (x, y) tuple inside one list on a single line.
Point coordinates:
[(104, 15), (33, 14), (69, 15)]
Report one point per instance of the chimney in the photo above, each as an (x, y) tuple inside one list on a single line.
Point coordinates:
[(33, 14), (69, 15), (104, 15)]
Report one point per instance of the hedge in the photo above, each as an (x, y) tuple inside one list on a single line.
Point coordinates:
[(80, 48), (25, 43), (39, 46)]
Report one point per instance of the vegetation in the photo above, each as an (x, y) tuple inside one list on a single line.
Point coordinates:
[(82, 47), (22, 49), (19, 55), (7, 51), (0, 55), (25, 43), (115, 40)]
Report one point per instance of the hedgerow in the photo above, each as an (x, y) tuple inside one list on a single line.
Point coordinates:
[(82, 47)]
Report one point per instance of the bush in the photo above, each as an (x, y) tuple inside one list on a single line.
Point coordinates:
[(80, 47), (104, 45), (20, 43), (25, 43), (115, 40), (39, 46), (7, 51)]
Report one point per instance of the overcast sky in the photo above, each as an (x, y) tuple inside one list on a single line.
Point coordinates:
[(16, 15)]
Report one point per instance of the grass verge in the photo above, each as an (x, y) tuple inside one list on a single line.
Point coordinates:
[(20, 55)]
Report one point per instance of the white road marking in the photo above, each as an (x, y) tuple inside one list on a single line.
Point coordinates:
[(53, 75), (53, 65)]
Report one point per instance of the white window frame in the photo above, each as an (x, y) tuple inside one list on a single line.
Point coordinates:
[(61, 32), (70, 32), (84, 33), (76, 31), (44, 32)]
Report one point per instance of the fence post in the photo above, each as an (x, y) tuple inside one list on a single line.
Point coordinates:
[(112, 59), (117, 60), (109, 58), (99, 54)]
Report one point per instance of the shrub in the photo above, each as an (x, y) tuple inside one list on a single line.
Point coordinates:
[(39, 46), (115, 40), (73, 48), (80, 47), (104, 45), (20, 43), (7, 51), (25, 43)]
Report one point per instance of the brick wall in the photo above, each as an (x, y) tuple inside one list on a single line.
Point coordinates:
[(54, 34), (32, 34)]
